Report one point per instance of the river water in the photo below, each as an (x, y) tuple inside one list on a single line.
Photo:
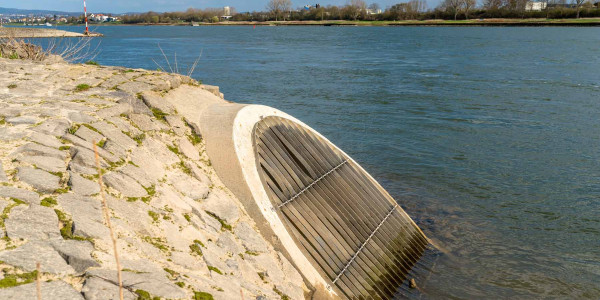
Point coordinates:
[(488, 137)]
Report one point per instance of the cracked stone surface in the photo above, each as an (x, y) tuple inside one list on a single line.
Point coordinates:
[(158, 185), (40, 180)]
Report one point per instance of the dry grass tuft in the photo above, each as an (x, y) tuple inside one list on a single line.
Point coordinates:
[(107, 217)]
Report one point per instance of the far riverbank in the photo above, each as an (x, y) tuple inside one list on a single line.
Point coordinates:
[(583, 22)]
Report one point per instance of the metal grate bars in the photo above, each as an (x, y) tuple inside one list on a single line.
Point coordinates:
[(352, 231)]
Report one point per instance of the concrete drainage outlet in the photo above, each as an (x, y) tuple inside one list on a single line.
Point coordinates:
[(341, 229)]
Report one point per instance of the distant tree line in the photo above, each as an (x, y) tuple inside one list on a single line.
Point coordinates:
[(358, 10)]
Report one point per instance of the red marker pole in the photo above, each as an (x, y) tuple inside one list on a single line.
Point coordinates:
[(86, 22)]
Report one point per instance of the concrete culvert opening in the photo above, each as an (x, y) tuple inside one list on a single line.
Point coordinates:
[(355, 235), (344, 233)]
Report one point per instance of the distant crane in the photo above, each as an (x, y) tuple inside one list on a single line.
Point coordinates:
[(87, 32)]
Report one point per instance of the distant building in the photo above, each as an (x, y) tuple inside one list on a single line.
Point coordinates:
[(99, 18), (226, 13), (535, 6), (373, 11)]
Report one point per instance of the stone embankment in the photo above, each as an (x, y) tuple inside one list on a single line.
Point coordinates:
[(181, 234)]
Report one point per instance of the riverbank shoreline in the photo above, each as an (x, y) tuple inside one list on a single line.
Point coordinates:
[(585, 22), (19, 32)]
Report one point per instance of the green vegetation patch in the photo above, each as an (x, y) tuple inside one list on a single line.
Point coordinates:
[(82, 87), (194, 138), (195, 248), (92, 62), (151, 190), (48, 202), (180, 284), (92, 128), (154, 216), (187, 217), (12, 280), (2, 121), (202, 296), (159, 114), (73, 128), (12, 86), (281, 294), (159, 243), (174, 149), (215, 269), (171, 272), (144, 295), (181, 165), (6, 211), (139, 138), (67, 227), (224, 225)]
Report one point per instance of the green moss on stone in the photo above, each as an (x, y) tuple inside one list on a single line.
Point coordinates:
[(224, 225), (144, 295), (215, 269), (82, 87), (48, 202), (154, 216), (12, 280), (281, 294), (159, 114), (202, 296)]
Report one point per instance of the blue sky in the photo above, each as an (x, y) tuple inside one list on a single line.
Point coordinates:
[(120, 6)]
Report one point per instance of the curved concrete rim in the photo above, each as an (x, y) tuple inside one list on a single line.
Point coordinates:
[(243, 130)]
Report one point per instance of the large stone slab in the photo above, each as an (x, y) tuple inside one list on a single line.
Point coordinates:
[(28, 120), (126, 185), (116, 110), (188, 186), (223, 206), (27, 255), (81, 143), (250, 238), (45, 139), (188, 149), (86, 213), (80, 117), (82, 186), (144, 158), (53, 290), (38, 179), (177, 125), (46, 163), (3, 177), (86, 157), (147, 123), (88, 134), (55, 127), (33, 149), (114, 134), (141, 175), (76, 253), (156, 101), (156, 284), (96, 288), (33, 223), (134, 87), (20, 194)]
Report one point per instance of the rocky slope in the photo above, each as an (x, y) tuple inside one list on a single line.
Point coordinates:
[(181, 234)]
